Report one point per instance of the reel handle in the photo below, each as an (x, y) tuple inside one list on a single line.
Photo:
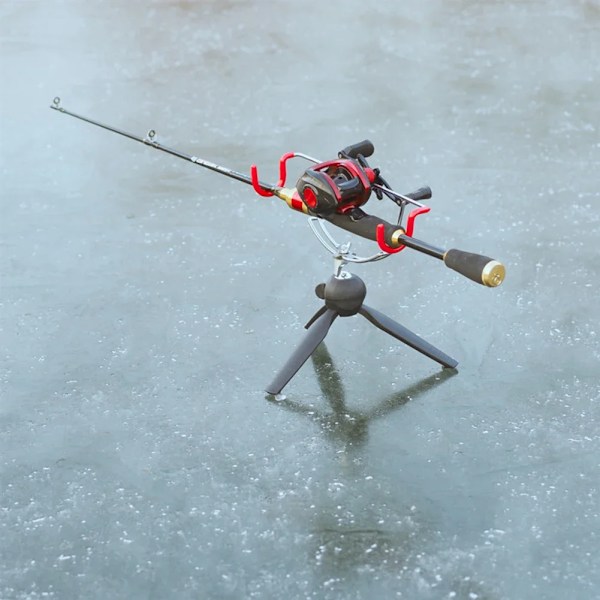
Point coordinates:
[(365, 148), (423, 193)]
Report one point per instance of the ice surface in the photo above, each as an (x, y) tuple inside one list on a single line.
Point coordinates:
[(146, 303)]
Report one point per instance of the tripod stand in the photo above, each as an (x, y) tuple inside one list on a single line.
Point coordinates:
[(344, 294)]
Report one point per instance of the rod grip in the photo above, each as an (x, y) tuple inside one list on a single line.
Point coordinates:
[(478, 268)]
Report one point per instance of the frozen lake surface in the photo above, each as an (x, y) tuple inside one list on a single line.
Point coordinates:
[(146, 303)]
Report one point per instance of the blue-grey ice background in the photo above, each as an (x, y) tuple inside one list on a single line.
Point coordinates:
[(146, 303)]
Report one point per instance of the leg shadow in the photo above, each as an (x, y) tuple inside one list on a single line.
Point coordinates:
[(350, 427)]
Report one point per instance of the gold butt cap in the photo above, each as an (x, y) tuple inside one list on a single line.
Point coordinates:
[(493, 274)]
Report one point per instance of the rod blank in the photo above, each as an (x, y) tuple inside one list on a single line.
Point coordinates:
[(150, 141)]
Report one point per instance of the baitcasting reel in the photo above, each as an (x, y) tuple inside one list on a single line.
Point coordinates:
[(339, 185)]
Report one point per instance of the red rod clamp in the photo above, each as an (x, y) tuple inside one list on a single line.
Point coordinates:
[(282, 176), (410, 227)]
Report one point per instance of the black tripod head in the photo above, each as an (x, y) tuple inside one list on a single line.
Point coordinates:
[(344, 294)]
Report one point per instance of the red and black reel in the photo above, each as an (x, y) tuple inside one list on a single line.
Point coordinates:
[(335, 186)]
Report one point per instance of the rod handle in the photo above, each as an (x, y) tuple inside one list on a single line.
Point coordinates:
[(476, 267)]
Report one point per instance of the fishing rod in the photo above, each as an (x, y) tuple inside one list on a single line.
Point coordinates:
[(334, 191)]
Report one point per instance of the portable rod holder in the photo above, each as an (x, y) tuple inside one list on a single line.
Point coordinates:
[(334, 192), (344, 294)]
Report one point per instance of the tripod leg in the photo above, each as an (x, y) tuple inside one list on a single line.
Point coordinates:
[(405, 335), (316, 334), (316, 316)]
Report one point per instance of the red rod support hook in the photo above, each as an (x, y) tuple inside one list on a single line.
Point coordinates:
[(256, 183), (282, 176), (410, 227)]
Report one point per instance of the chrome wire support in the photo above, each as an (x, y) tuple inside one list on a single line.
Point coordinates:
[(342, 253)]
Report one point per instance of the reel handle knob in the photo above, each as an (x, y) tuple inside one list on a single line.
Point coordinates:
[(365, 148), (423, 193), (476, 267)]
